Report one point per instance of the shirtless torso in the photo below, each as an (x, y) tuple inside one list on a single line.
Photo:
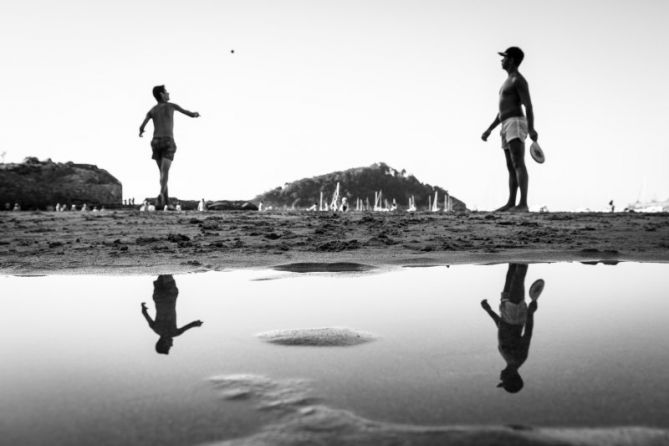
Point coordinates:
[(163, 119), (510, 100)]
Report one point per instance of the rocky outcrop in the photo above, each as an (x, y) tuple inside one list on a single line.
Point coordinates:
[(226, 205), (38, 184), (219, 205), (362, 183)]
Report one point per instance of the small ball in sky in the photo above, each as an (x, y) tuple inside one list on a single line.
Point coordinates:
[(232, 51)]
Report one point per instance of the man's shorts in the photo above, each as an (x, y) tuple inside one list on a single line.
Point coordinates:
[(513, 313), (163, 147), (513, 128)]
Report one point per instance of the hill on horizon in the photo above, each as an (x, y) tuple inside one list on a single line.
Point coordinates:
[(358, 182)]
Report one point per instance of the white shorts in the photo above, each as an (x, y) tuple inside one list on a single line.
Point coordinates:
[(513, 128), (511, 313)]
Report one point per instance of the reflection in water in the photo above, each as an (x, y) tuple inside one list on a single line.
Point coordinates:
[(165, 294), (514, 316)]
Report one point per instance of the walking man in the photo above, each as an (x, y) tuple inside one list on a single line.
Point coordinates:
[(513, 96), (162, 144)]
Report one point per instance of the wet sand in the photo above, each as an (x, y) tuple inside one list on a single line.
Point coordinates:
[(306, 422), (128, 242)]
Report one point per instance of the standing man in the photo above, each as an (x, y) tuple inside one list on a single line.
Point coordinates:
[(513, 95), (162, 144)]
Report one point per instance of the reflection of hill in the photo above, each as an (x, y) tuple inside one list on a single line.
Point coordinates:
[(359, 182)]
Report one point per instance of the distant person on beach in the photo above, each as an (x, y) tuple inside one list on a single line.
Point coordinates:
[(162, 144), (515, 315), (513, 95), (165, 294)]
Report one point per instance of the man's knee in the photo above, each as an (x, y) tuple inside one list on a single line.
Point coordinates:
[(517, 152), (165, 164), (509, 161)]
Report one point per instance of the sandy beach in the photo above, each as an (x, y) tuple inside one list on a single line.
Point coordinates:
[(127, 242)]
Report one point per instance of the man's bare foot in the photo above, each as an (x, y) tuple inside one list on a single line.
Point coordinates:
[(504, 208), (519, 209)]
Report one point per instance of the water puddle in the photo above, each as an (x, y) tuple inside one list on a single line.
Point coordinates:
[(533, 354)]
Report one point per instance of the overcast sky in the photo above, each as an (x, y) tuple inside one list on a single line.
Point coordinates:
[(316, 86)]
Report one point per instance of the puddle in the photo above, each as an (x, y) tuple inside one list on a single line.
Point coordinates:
[(562, 350)]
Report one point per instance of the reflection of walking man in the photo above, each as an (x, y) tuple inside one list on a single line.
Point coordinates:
[(513, 95), (165, 294), (514, 345)]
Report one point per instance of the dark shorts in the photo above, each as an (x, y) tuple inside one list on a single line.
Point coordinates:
[(163, 147)]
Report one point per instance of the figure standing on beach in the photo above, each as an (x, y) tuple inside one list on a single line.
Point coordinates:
[(515, 315), (513, 95), (165, 294), (162, 144)]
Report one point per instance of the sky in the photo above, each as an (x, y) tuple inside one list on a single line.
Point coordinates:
[(316, 86)]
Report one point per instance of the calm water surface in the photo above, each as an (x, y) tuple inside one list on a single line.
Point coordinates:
[(82, 364)]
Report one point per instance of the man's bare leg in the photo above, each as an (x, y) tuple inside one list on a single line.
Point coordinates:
[(517, 152), (159, 198), (164, 165), (513, 184)]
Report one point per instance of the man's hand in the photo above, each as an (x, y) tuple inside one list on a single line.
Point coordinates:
[(533, 306), (196, 115), (533, 135), (198, 323), (485, 135), (144, 307), (485, 305), (141, 132)]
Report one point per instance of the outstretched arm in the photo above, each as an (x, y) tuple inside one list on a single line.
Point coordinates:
[(197, 323), (486, 306), (492, 126), (145, 313), (524, 93), (186, 112), (141, 127)]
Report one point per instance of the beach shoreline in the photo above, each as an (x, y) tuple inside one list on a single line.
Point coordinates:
[(132, 242)]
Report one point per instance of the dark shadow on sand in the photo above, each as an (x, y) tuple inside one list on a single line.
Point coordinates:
[(314, 267), (317, 337)]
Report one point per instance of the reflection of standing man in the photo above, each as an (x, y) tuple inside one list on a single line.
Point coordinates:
[(514, 345), (165, 294), (513, 95)]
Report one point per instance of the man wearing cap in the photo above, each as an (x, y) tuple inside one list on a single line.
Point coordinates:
[(513, 95)]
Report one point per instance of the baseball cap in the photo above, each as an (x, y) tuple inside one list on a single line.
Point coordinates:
[(515, 53)]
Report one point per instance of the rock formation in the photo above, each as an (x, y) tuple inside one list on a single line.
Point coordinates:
[(227, 205), (38, 184)]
